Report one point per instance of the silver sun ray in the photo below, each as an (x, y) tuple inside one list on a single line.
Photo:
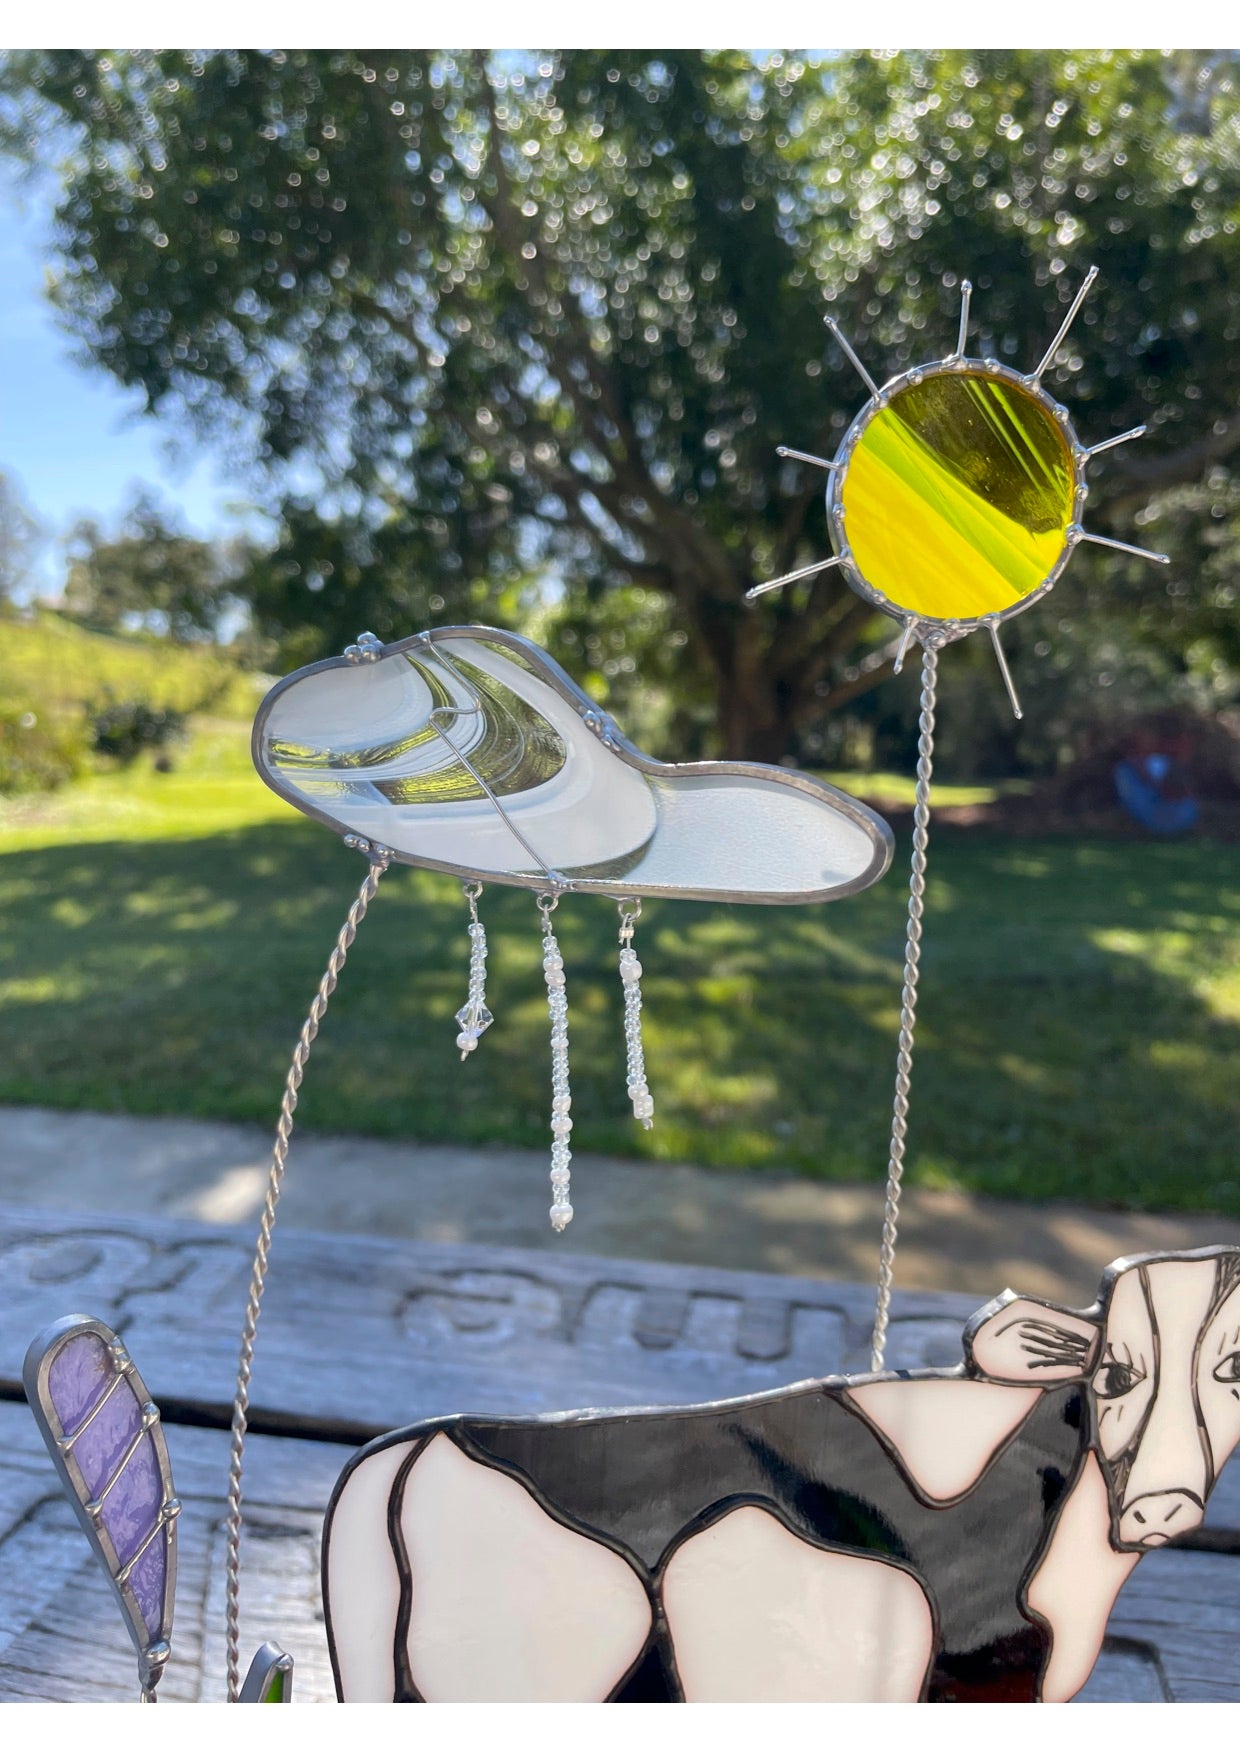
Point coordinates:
[(902, 649), (1079, 535), (966, 294), (1065, 325), (1120, 438), (804, 456), (1004, 671), (791, 577), (847, 349)]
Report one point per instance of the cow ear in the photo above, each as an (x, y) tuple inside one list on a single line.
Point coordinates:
[(1026, 1344)]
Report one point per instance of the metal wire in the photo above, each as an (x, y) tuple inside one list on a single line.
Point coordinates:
[(908, 996), (279, 1156)]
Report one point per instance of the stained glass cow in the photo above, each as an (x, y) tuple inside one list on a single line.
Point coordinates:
[(940, 1535)]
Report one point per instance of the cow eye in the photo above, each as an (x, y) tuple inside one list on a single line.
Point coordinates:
[(1114, 1379), (1229, 1369)]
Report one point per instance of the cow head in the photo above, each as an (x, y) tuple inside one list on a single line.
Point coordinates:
[(1159, 1354)]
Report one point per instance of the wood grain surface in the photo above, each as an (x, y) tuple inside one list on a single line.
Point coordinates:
[(361, 1335)]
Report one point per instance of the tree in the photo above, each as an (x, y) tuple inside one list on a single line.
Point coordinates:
[(150, 574), (20, 537), (509, 312)]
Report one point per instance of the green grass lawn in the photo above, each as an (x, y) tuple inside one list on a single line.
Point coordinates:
[(161, 936)]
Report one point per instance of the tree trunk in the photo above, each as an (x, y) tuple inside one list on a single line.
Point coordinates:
[(763, 696)]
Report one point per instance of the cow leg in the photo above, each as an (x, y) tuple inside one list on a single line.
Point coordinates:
[(1076, 1584), (758, 1615), (502, 1603), (361, 1582)]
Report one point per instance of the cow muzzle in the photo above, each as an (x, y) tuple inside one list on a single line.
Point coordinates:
[(1157, 1517)]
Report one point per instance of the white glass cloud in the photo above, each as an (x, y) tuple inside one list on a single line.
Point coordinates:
[(470, 750)]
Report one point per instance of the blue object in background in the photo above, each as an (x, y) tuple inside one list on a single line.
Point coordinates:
[(1139, 784)]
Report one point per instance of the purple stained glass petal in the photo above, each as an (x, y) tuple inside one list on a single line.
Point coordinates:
[(77, 1377), (99, 1449), (132, 1507), (146, 1579)]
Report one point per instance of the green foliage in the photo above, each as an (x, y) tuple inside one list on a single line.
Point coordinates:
[(496, 313), (60, 668), (150, 575), (626, 648), (125, 729), (20, 536), (37, 754)]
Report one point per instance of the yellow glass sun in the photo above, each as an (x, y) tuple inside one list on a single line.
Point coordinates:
[(955, 497)]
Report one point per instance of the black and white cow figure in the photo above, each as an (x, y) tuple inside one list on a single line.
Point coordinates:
[(940, 1534)]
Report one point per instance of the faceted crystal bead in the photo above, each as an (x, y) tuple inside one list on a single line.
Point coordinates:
[(477, 1019)]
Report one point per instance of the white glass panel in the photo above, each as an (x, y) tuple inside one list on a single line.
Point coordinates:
[(475, 756)]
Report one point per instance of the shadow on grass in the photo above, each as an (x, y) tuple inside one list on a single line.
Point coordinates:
[(1078, 1033)]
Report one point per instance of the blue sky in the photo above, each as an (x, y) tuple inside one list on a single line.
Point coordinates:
[(69, 435)]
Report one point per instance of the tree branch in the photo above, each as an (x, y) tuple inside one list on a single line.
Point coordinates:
[(1140, 477)]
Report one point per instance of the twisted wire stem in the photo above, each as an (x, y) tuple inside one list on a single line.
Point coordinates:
[(561, 1212), (908, 998), (262, 1252)]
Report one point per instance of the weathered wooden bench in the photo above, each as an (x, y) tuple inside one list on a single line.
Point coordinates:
[(359, 1336)]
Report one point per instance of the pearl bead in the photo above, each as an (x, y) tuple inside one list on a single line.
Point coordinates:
[(643, 1106), (466, 1042), (561, 1125), (561, 1215), (631, 972)]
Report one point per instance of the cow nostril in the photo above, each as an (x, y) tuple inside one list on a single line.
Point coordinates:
[(1137, 1516)]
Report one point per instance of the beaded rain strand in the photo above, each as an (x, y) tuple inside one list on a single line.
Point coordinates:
[(473, 1017), (561, 1096), (631, 978)]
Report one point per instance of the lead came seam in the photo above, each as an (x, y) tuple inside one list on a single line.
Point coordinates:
[(65, 1441)]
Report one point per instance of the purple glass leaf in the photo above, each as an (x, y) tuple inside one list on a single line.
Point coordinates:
[(94, 1419), (131, 1508), (99, 1449), (78, 1375), (146, 1579)]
